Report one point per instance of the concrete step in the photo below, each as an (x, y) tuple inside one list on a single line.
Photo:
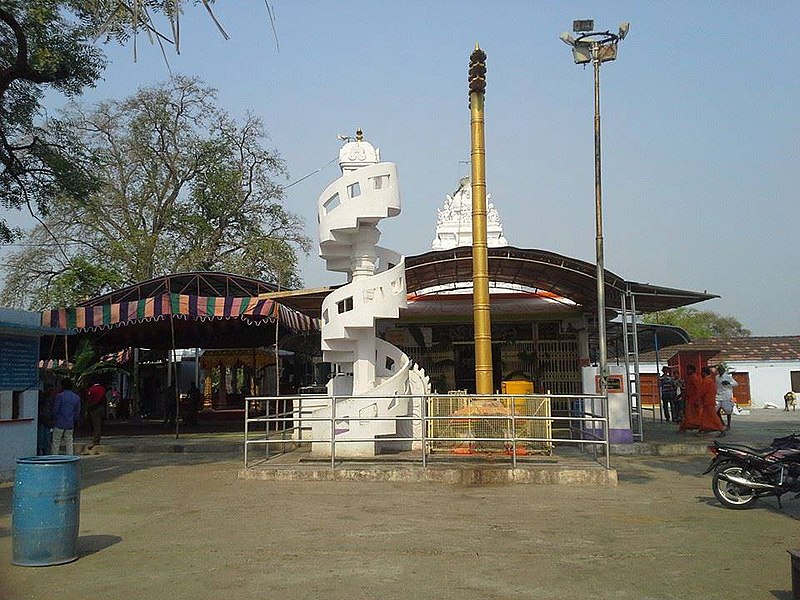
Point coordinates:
[(454, 475)]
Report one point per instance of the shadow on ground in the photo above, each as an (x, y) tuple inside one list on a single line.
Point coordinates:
[(640, 469), (90, 544)]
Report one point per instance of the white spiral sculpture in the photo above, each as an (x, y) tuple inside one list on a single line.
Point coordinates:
[(369, 372)]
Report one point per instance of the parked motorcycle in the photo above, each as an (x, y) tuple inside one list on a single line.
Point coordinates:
[(743, 474)]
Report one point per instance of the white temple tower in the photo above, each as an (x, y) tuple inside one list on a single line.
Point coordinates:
[(454, 222), (372, 378)]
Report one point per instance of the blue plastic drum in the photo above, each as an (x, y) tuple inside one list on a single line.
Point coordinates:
[(46, 509)]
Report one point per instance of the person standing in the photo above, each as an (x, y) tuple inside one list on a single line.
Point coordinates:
[(669, 393), (112, 403), (66, 414), (96, 409), (195, 399), (45, 421), (170, 410), (692, 400), (725, 384)]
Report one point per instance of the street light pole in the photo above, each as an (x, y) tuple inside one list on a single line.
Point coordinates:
[(597, 47), (598, 214)]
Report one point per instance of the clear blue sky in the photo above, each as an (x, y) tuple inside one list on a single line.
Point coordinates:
[(700, 126)]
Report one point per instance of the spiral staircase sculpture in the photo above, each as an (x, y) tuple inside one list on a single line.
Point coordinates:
[(370, 374)]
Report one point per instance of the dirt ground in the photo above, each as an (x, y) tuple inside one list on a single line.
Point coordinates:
[(183, 526)]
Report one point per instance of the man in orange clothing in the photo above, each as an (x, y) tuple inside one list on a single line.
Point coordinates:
[(709, 419), (691, 393)]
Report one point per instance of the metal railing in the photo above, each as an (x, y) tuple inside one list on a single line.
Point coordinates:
[(287, 425)]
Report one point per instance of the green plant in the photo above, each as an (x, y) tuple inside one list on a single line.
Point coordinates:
[(87, 366)]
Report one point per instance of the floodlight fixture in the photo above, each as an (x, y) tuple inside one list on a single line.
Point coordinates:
[(624, 27), (567, 38), (582, 25), (582, 53)]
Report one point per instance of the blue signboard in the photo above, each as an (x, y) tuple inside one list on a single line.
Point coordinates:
[(19, 362)]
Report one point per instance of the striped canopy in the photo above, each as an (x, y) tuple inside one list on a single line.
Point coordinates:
[(251, 309)]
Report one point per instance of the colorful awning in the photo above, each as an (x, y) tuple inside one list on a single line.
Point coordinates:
[(252, 310)]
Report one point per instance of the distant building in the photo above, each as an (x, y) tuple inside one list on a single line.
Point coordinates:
[(765, 367)]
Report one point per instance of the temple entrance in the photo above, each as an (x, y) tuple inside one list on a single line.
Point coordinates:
[(539, 352), (464, 366)]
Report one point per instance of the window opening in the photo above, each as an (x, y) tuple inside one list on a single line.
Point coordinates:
[(345, 305), (354, 190), (331, 203), (380, 182)]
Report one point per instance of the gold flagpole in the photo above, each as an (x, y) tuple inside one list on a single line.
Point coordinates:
[(480, 258)]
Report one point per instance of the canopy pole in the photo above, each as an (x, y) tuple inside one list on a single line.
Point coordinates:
[(277, 339), (175, 379), (134, 410)]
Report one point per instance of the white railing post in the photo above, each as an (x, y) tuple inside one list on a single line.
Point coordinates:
[(333, 432), (246, 429), (423, 412)]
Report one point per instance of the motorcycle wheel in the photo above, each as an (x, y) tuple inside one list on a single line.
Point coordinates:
[(732, 495)]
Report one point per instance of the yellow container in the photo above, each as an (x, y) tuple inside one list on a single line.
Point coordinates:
[(517, 387)]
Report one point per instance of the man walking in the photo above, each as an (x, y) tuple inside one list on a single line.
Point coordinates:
[(96, 408), (66, 413)]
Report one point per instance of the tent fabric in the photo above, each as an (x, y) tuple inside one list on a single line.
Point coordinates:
[(252, 310)]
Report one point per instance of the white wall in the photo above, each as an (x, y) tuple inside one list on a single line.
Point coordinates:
[(769, 381), (17, 438)]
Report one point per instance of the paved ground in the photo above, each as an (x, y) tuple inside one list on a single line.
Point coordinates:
[(758, 427), (156, 525)]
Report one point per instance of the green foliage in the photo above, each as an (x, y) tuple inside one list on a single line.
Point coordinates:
[(87, 366), (51, 46), (44, 45), (699, 324), (181, 186)]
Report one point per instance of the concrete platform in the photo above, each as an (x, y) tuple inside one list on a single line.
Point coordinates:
[(569, 468)]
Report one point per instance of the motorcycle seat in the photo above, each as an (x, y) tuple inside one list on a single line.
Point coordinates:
[(757, 451)]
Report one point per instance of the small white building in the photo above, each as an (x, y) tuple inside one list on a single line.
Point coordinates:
[(765, 367), (20, 332)]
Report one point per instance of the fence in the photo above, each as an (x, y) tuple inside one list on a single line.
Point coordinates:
[(516, 425)]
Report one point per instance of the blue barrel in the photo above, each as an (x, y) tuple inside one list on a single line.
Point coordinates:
[(46, 511)]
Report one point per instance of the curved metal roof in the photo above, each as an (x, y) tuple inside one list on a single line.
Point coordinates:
[(539, 269), (199, 283)]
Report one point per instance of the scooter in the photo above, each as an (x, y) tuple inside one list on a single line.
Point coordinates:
[(743, 474)]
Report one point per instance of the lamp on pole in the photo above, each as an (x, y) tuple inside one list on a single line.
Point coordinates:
[(597, 47)]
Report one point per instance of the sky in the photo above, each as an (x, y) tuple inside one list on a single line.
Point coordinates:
[(700, 126)]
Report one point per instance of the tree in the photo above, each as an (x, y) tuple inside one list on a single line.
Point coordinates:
[(699, 324), (181, 186), (51, 45), (43, 45)]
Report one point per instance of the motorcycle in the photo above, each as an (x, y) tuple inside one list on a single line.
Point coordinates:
[(742, 474)]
